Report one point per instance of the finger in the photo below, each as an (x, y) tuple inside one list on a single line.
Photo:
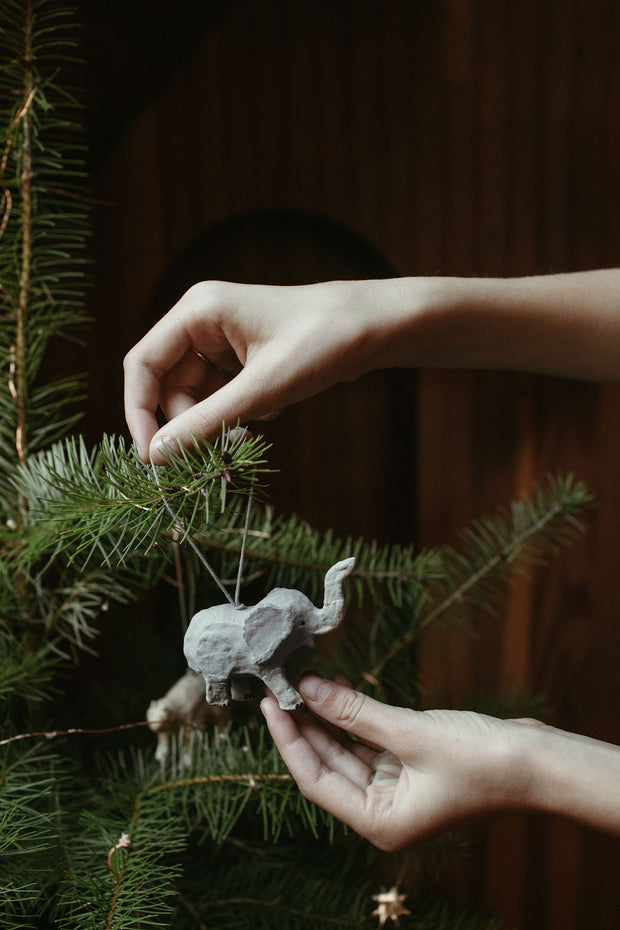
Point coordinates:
[(362, 749), (194, 322), (333, 746), (372, 748), (187, 384), (331, 790), (365, 718), (246, 397), (141, 402), (145, 366), (337, 752)]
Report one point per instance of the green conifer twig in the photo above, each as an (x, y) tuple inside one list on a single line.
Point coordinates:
[(21, 381), (561, 499)]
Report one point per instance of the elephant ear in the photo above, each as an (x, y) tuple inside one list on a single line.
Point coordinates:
[(275, 625)]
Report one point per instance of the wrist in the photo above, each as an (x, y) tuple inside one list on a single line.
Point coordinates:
[(435, 322), (572, 776)]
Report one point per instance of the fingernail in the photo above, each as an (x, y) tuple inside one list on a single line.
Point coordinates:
[(315, 689), (163, 447)]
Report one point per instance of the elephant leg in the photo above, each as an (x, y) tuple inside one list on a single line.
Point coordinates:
[(288, 698), (217, 691)]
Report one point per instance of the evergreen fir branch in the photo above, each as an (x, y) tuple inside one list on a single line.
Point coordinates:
[(492, 548), (156, 812), (41, 242), (70, 610), (303, 885), (24, 673), (105, 505), (58, 606), (306, 886), (290, 552), (29, 783), (121, 888), (212, 780)]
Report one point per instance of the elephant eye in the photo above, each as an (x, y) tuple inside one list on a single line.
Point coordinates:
[(302, 623)]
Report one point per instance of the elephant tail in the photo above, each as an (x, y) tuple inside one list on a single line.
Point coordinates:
[(334, 604)]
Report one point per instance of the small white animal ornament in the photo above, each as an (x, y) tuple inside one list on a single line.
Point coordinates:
[(183, 705), (227, 643)]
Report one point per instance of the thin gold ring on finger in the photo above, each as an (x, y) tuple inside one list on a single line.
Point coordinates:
[(211, 364)]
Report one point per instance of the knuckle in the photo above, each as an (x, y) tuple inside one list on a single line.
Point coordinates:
[(129, 359), (350, 707), (308, 781), (207, 294)]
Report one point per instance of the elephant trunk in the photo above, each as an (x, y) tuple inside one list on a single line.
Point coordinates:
[(334, 604)]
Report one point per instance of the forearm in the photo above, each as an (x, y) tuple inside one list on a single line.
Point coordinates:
[(566, 324), (280, 345), (573, 776)]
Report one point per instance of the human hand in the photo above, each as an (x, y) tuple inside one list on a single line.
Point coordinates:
[(272, 346), (232, 352), (440, 768)]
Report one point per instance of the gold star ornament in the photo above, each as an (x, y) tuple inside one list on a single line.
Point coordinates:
[(390, 906)]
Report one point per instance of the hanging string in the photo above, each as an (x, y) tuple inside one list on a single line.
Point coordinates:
[(179, 524), (246, 529)]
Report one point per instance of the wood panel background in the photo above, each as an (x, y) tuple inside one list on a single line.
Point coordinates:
[(343, 138)]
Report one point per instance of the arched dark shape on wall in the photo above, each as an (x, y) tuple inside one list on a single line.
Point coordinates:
[(345, 458), (270, 247)]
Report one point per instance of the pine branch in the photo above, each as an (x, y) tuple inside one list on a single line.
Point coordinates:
[(29, 784), (41, 240), (302, 885), (235, 771), (111, 498), (105, 882), (19, 351), (121, 887), (107, 506), (26, 674), (492, 548)]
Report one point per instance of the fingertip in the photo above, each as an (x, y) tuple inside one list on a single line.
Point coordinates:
[(142, 450), (142, 428), (162, 448), (371, 721), (267, 705), (315, 689), (276, 718)]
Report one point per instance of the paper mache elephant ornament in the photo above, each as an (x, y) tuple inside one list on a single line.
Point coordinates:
[(228, 643)]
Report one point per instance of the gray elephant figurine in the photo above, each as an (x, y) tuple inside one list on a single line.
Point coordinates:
[(225, 644)]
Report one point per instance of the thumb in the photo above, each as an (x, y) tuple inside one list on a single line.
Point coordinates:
[(243, 398), (356, 713)]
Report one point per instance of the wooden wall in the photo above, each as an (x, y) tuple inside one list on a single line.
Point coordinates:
[(456, 137)]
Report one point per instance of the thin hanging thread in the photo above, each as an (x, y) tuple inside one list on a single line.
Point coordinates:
[(246, 529), (201, 556), (179, 524)]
